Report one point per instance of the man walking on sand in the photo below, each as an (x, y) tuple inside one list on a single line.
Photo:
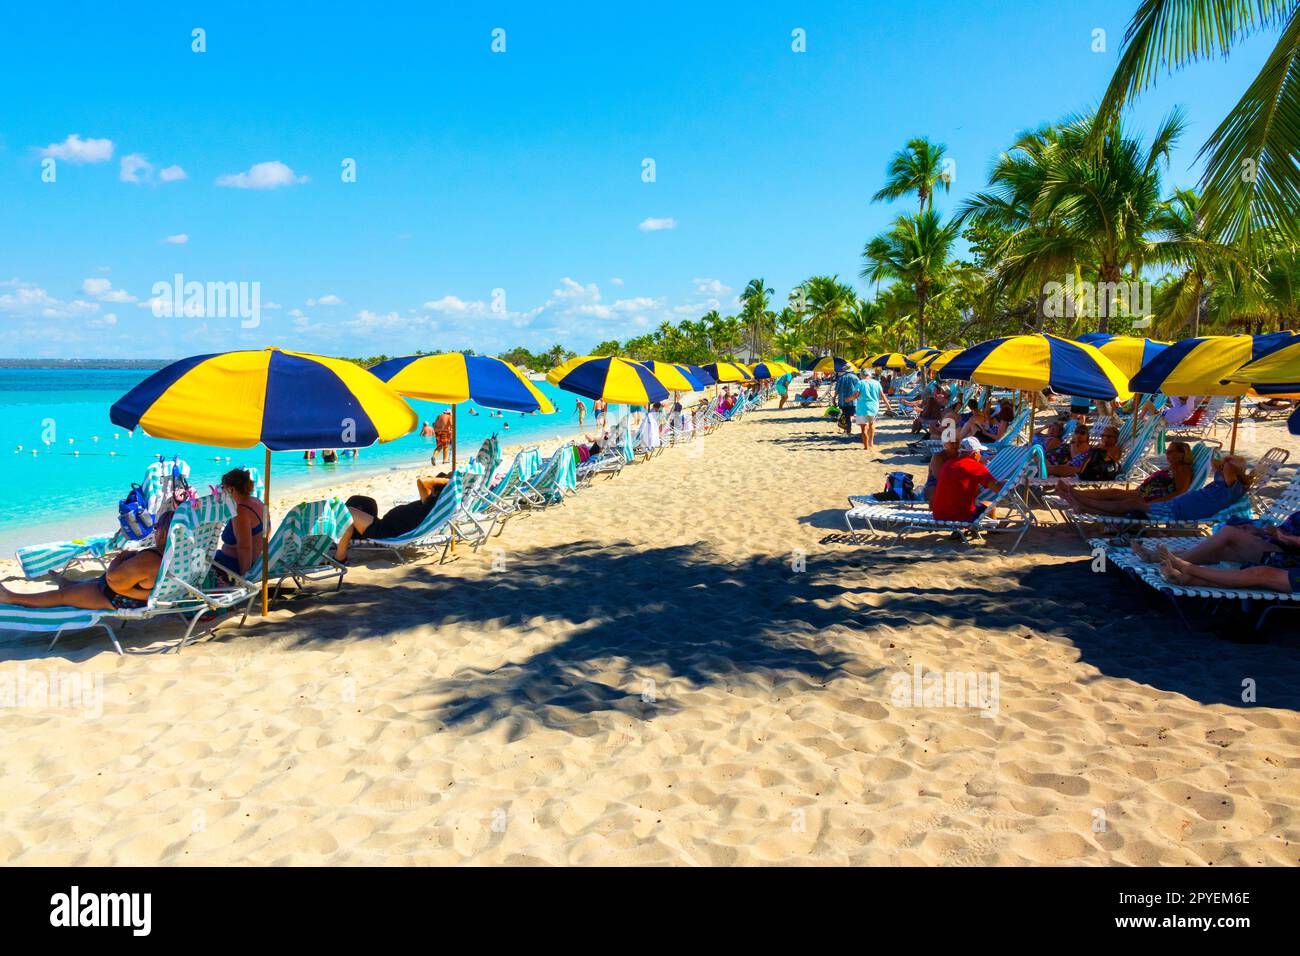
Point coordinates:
[(866, 406)]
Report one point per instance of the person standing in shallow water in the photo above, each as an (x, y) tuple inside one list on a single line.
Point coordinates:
[(442, 435), (581, 409)]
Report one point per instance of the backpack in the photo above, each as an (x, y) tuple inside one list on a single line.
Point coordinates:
[(898, 487), (134, 516)]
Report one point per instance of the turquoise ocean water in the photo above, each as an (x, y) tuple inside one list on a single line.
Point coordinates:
[(71, 486)]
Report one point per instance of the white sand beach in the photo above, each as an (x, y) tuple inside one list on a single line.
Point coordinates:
[(687, 664)]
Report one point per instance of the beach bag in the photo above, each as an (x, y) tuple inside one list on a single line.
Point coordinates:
[(898, 487), (134, 516), (1098, 467)]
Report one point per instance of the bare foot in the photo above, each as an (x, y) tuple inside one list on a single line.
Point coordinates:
[(1174, 570), (1150, 552)]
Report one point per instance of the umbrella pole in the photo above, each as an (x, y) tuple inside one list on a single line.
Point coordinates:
[(266, 531), (1033, 413), (1236, 415), (453, 438)]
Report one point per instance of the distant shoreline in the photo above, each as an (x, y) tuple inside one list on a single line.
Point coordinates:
[(84, 363)]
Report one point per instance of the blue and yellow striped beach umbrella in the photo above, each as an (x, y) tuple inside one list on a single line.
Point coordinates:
[(1128, 352), (677, 378), (609, 378), (921, 354), (833, 363), (1201, 366), (702, 375), (894, 360), (936, 362), (768, 369), (286, 401), (1277, 363), (1032, 362), (454, 377), (729, 372)]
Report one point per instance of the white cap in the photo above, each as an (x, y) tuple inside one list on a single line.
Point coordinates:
[(971, 444)]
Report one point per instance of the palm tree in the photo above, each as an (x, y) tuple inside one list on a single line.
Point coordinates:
[(1251, 179), (1183, 241), (1070, 208), (827, 300), (754, 300), (915, 252), (863, 325), (916, 168), (790, 344)]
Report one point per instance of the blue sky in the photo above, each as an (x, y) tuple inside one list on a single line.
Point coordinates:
[(518, 171)]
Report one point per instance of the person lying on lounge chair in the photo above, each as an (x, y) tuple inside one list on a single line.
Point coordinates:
[(1231, 481), (1269, 556), (1165, 485), (124, 586), (367, 524)]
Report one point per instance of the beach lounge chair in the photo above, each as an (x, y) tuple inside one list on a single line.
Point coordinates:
[(301, 548), (1136, 527), (1010, 466), (1201, 423), (1184, 596), (59, 556), (185, 586), (1015, 428), (558, 477), (446, 522)]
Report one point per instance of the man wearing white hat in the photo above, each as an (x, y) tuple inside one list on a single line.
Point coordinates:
[(960, 482)]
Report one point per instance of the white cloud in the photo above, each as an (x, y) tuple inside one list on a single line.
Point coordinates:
[(134, 168), (655, 225), (23, 300), (107, 322), (103, 290), (270, 175), (172, 174), (711, 287), (177, 240), (616, 281), (326, 300), (74, 149), (454, 305), (368, 321)]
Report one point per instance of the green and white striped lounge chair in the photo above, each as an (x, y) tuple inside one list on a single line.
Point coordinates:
[(184, 587), (1010, 466), (446, 522), (559, 475), (1124, 558), (301, 548)]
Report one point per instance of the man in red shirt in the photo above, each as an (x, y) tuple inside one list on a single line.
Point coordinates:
[(960, 482)]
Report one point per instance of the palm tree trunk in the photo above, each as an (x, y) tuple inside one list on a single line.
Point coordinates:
[(920, 317)]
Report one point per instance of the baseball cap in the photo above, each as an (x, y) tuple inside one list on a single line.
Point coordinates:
[(971, 444)]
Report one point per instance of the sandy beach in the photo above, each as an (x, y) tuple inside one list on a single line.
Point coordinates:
[(687, 664)]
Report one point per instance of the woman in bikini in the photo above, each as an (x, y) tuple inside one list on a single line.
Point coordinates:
[(241, 538), (124, 586)]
